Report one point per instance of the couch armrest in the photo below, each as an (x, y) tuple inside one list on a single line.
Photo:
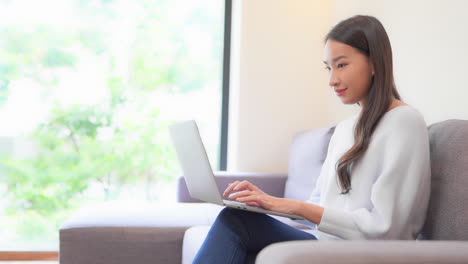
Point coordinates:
[(134, 232), (331, 252), (271, 183)]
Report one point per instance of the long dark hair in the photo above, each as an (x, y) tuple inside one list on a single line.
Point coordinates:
[(366, 34)]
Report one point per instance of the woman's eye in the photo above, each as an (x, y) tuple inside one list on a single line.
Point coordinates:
[(341, 65)]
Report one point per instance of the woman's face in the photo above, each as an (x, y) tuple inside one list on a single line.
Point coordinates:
[(350, 72)]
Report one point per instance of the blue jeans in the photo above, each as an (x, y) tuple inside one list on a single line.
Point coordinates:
[(237, 236)]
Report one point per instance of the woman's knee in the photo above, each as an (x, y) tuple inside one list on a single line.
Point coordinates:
[(240, 216), (229, 213)]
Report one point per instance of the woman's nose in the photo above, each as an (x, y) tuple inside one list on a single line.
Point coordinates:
[(333, 81)]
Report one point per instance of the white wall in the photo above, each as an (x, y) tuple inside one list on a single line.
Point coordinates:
[(277, 91), (281, 88), (430, 51)]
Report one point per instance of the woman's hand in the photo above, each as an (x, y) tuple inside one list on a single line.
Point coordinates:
[(248, 193)]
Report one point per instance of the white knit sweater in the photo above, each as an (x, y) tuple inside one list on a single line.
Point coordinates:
[(390, 184)]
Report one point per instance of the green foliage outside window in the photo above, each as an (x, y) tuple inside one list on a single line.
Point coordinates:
[(122, 139)]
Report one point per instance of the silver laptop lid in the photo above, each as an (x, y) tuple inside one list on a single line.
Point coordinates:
[(194, 162)]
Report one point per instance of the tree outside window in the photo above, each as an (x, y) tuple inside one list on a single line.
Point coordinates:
[(87, 90)]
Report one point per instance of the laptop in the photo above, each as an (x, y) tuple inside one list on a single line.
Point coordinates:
[(197, 170)]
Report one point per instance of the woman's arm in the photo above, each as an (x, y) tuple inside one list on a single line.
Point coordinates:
[(311, 212), (252, 195)]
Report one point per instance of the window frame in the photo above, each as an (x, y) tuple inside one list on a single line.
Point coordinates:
[(225, 89), (54, 255)]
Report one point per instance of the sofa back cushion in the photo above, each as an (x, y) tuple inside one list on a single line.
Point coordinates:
[(307, 154), (447, 217)]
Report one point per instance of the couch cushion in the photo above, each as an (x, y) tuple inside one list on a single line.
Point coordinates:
[(307, 153), (193, 239), (365, 252), (143, 214), (447, 217), (121, 245), (131, 232)]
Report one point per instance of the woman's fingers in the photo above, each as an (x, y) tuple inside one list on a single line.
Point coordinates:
[(251, 198), (237, 186), (240, 194), (230, 188), (242, 186), (249, 186), (245, 185)]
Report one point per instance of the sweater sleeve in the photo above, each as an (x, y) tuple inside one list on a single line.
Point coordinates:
[(400, 192)]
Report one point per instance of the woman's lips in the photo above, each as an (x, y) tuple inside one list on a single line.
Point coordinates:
[(341, 92)]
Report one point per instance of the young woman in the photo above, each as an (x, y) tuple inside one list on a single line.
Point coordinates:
[(375, 180)]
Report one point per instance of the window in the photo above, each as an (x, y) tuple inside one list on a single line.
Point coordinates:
[(87, 90)]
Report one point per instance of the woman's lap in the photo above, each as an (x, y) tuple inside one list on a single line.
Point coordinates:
[(263, 230), (240, 233)]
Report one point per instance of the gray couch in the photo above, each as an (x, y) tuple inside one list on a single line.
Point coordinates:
[(172, 233)]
